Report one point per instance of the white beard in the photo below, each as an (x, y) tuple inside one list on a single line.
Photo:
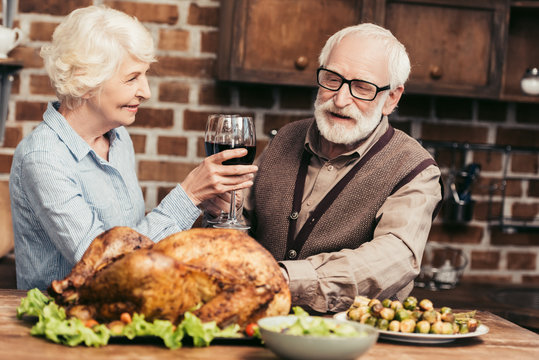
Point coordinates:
[(341, 133)]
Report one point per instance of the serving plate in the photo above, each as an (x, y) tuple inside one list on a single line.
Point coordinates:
[(417, 338)]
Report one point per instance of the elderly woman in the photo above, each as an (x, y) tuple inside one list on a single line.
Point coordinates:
[(74, 176)]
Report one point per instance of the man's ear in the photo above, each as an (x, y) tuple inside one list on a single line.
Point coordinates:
[(392, 100)]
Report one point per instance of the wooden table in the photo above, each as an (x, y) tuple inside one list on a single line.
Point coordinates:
[(504, 341)]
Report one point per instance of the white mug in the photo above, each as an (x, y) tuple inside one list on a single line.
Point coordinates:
[(9, 38)]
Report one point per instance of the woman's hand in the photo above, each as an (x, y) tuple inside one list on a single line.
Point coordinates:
[(212, 178)]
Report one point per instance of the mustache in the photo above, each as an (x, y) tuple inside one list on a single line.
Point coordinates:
[(349, 111)]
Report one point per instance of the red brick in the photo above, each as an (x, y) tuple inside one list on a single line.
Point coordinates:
[(12, 137), (41, 84), (172, 145), (201, 150), (487, 185), (154, 118), (139, 143), (297, 97), (521, 261), (277, 121), (163, 171), (5, 163), (455, 234), (533, 188), (489, 160), (29, 56), (485, 260), (499, 237), (174, 39), (414, 106), (192, 67), (526, 113), (16, 84), (517, 137), (203, 15), (530, 279), (457, 133), (209, 42), (42, 31), (174, 92), (448, 158), (487, 210), (492, 110), (52, 7), (215, 94), (524, 211), (260, 96), (453, 108), (148, 12), (26, 110), (525, 162)]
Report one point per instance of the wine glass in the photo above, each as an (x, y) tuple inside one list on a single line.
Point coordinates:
[(210, 148), (235, 132)]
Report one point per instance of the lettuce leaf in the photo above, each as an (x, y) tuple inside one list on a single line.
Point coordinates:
[(53, 325)]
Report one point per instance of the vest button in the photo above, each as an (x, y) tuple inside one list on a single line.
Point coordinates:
[(294, 215), (292, 254)]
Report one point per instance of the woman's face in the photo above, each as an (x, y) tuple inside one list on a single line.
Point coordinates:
[(120, 97)]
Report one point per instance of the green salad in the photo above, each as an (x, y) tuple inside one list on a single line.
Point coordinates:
[(53, 324), (315, 326)]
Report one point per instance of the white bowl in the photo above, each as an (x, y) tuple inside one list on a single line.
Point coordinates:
[(305, 347)]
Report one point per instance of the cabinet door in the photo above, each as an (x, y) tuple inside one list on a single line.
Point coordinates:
[(455, 47), (278, 41)]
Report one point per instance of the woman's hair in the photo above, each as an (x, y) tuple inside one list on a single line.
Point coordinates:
[(398, 61), (89, 46)]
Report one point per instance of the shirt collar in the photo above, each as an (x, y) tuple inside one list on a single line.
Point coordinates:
[(74, 142), (312, 140)]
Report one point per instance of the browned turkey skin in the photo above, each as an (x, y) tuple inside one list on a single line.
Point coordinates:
[(232, 277)]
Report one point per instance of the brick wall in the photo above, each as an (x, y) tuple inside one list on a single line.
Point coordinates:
[(169, 129)]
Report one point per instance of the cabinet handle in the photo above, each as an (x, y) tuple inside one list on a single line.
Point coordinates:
[(436, 72), (301, 62)]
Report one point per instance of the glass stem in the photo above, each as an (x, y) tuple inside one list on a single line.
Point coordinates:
[(232, 213)]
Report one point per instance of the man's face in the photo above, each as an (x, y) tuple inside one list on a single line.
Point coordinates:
[(340, 117)]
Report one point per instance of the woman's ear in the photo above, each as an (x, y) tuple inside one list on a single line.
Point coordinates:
[(392, 100)]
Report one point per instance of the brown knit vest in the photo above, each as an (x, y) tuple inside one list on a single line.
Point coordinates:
[(351, 218)]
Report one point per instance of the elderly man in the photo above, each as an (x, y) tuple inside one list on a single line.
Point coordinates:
[(344, 201)]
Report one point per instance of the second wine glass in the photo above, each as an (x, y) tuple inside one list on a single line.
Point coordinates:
[(235, 132)]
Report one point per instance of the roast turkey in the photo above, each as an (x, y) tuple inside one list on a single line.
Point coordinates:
[(224, 274)]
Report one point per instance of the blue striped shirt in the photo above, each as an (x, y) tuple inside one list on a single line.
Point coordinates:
[(63, 195)]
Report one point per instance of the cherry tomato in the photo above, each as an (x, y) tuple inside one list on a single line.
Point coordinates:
[(90, 323), (250, 329), (125, 318)]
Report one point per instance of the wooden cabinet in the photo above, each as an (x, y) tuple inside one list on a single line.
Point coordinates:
[(455, 47), (278, 41), (477, 48)]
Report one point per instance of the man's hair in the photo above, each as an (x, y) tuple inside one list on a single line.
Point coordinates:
[(89, 46), (398, 61)]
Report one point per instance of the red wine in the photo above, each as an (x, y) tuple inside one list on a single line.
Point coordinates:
[(244, 160), (210, 148)]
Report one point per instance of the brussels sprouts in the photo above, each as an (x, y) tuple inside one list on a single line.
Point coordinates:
[(448, 317), (416, 315), (382, 324), (360, 300), (463, 328), (431, 316), (422, 327), (408, 325), (426, 305), (387, 313), (394, 325), (446, 310), (437, 327), (371, 320), (402, 314), (376, 308), (410, 303), (364, 317), (447, 328), (386, 303), (396, 305), (472, 325), (372, 302), (354, 314)]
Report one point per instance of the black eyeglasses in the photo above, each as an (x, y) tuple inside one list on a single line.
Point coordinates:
[(360, 89)]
